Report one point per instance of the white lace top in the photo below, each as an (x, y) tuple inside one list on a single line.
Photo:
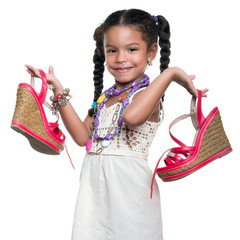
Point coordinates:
[(129, 141)]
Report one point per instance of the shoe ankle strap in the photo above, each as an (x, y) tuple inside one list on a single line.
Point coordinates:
[(43, 92), (196, 112)]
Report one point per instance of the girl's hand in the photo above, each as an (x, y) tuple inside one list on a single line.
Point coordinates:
[(186, 81), (51, 78)]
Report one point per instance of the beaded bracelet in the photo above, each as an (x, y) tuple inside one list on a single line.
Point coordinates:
[(60, 100)]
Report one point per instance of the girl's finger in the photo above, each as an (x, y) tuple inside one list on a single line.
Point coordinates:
[(30, 72), (33, 71), (204, 92), (50, 70), (192, 90), (50, 77), (30, 67), (27, 65), (192, 77), (195, 93)]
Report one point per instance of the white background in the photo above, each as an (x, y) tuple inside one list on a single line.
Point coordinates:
[(38, 192)]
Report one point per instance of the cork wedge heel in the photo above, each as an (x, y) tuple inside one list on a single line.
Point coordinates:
[(30, 120), (210, 143)]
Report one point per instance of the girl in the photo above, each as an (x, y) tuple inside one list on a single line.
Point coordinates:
[(113, 200)]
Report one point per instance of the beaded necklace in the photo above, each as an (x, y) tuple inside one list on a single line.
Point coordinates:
[(124, 99)]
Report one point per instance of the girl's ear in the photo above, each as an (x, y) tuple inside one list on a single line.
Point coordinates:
[(152, 52)]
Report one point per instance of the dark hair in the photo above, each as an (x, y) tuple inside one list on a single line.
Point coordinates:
[(151, 30)]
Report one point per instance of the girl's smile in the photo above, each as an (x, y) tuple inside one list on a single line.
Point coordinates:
[(126, 54), (123, 70)]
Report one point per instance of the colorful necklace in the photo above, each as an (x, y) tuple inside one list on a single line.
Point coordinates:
[(124, 99)]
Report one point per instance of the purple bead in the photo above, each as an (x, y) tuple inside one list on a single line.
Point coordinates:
[(110, 89), (96, 136), (121, 111), (130, 94), (146, 77), (135, 83), (125, 102), (108, 92), (135, 88), (109, 136), (117, 131), (147, 82), (98, 113), (120, 121), (96, 123), (101, 105), (117, 91)]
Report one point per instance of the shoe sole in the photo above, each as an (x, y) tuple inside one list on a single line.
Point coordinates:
[(35, 142), (29, 119)]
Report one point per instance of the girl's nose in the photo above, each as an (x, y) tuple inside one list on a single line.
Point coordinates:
[(121, 57)]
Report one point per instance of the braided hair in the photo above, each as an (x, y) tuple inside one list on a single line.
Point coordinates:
[(152, 29)]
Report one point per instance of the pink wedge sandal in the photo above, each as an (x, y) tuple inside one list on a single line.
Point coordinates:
[(30, 120), (210, 143)]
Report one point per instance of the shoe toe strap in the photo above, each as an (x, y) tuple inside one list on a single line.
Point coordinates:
[(56, 130), (173, 156)]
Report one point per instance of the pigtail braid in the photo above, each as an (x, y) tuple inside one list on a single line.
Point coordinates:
[(164, 43), (98, 75), (98, 60)]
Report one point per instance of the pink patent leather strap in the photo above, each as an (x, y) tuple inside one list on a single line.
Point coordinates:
[(69, 156), (155, 172), (44, 88), (172, 124)]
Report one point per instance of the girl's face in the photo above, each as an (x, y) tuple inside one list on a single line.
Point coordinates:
[(126, 54)]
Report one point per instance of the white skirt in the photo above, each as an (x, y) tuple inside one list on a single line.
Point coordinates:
[(114, 200)]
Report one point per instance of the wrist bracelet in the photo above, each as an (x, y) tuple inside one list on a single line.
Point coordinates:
[(60, 100)]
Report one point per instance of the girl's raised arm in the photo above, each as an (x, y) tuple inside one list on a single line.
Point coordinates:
[(78, 129), (144, 104)]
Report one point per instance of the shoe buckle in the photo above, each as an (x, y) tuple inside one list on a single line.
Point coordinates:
[(171, 154)]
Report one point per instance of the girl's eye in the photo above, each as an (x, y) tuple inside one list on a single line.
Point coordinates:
[(132, 49), (111, 51)]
